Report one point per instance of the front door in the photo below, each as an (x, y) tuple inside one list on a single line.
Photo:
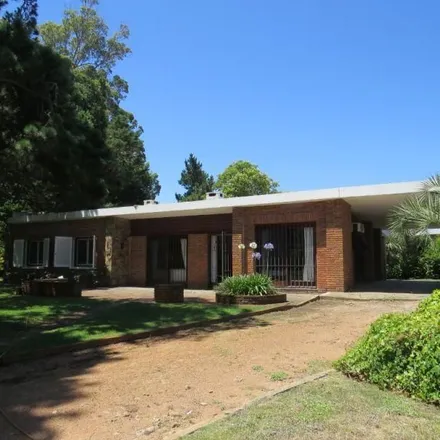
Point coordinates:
[(221, 257), (167, 260)]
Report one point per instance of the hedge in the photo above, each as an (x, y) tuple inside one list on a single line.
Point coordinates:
[(401, 352)]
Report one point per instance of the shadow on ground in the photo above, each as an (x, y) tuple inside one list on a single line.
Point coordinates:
[(68, 319), (399, 286)]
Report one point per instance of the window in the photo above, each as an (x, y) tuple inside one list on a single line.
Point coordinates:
[(35, 253), (292, 261), (84, 252)]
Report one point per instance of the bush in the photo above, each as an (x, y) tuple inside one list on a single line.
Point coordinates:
[(401, 352), (254, 284), (430, 260)]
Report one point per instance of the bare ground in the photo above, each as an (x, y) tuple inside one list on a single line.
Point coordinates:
[(151, 389)]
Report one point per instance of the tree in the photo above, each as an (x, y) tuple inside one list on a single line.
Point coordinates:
[(48, 156), (243, 178), (195, 181), (131, 180), (418, 212), (83, 37)]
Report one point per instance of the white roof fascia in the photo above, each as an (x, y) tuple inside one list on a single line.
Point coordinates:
[(222, 206)]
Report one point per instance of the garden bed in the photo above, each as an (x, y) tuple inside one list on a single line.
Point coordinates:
[(222, 298)]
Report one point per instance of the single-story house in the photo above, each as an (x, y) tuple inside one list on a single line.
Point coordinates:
[(323, 239)]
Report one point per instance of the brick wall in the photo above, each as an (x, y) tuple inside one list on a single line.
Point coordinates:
[(198, 260), (334, 265), (137, 261)]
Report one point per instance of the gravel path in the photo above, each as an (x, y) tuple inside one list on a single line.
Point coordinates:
[(152, 388)]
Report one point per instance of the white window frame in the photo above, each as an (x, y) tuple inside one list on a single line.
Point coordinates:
[(45, 243), (91, 241)]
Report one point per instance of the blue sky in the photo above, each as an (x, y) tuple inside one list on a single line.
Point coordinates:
[(318, 93)]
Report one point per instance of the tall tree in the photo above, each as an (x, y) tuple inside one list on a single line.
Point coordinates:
[(43, 140), (195, 180), (132, 181), (243, 178), (83, 37)]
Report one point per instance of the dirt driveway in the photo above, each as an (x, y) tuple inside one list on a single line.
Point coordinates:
[(151, 389)]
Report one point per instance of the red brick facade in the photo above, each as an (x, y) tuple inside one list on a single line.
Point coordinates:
[(137, 269), (198, 260), (334, 261), (121, 245)]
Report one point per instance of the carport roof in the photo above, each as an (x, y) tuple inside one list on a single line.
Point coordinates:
[(368, 202)]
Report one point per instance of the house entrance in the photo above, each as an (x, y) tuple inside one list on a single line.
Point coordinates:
[(167, 260), (221, 257)]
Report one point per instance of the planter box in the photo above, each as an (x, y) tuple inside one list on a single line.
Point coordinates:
[(168, 293), (221, 298), (51, 287)]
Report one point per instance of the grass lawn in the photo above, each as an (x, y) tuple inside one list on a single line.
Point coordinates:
[(29, 323), (335, 408)]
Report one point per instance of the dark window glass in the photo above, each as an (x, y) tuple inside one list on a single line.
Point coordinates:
[(35, 253), (84, 251)]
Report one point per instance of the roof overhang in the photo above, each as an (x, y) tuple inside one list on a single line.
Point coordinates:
[(369, 203)]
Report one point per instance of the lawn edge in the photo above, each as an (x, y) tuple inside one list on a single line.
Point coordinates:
[(262, 398), (163, 331)]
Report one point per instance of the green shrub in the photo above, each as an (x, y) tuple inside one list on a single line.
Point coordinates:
[(401, 352), (254, 284), (430, 260)]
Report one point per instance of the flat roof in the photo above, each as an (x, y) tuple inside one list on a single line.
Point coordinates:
[(370, 202)]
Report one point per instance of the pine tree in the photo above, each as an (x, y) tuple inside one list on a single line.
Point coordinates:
[(195, 181)]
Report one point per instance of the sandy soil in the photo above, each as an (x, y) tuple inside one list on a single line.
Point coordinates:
[(151, 389)]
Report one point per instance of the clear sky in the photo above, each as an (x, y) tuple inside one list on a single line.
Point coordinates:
[(318, 93)]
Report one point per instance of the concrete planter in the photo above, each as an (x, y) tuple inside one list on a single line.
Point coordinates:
[(168, 293), (221, 298)]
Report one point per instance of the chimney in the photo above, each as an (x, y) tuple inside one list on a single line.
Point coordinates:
[(214, 195)]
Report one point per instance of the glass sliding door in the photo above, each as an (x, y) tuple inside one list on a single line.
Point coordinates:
[(167, 260), (292, 261)]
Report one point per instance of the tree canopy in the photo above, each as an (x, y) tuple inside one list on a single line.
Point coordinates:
[(83, 37), (195, 180), (243, 178), (44, 139)]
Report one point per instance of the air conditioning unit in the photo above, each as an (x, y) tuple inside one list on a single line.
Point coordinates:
[(214, 195), (358, 227), (150, 202)]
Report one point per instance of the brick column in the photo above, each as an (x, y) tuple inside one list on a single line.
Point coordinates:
[(198, 272), (242, 233), (238, 255), (335, 261), (137, 275)]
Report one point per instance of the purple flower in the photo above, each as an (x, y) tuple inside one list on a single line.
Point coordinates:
[(256, 255), (268, 246)]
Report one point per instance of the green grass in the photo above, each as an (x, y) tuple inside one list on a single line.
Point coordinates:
[(278, 376), (23, 319), (334, 408)]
